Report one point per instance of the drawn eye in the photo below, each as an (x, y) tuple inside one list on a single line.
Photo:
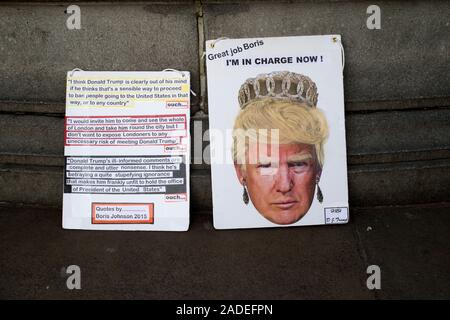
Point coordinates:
[(267, 169), (299, 164)]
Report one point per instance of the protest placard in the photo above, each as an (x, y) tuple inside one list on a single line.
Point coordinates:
[(126, 146)]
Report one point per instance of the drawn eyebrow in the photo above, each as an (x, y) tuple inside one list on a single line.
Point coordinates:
[(264, 161), (299, 157)]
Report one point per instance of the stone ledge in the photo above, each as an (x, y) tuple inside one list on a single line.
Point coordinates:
[(369, 185), (371, 137), (122, 37), (406, 59), (57, 109)]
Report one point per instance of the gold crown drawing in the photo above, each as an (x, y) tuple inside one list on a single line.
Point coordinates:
[(283, 85)]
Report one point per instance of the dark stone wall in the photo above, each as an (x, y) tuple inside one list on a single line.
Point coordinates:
[(396, 80)]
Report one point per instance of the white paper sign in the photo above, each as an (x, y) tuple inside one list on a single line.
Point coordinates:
[(277, 131), (126, 149)]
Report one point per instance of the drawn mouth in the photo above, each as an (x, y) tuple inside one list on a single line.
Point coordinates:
[(285, 204)]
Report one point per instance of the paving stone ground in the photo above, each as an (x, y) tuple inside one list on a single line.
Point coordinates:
[(410, 244)]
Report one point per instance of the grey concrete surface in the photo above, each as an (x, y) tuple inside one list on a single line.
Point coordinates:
[(29, 134), (37, 49), (395, 157), (369, 185), (58, 108), (411, 246), (367, 134), (33, 107), (398, 121), (43, 186), (397, 131), (33, 185), (326, 262), (407, 58), (400, 183), (32, 160)]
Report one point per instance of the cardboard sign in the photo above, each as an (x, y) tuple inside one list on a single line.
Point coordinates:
[(126, 147), (277, 127)]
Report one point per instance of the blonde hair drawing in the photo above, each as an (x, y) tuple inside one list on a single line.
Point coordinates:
[(296, 122)]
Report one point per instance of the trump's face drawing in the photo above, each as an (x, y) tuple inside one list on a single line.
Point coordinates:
[(281, 180)]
